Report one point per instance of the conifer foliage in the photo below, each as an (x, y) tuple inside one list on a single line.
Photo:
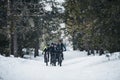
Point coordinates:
[(94, 24), (26, 24)]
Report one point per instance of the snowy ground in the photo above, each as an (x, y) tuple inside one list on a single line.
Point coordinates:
[(76, 66)]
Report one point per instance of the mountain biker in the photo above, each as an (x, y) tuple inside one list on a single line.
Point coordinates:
[(60, 48), (46, 52), (52, 53)]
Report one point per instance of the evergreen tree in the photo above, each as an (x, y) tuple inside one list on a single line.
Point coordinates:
[(95, 23)]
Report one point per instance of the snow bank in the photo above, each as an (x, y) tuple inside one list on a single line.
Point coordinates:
[(76, 66)]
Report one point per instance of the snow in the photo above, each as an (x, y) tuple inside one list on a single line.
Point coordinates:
[(48, 5), (76, 66)]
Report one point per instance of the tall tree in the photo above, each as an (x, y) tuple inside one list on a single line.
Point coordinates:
[(95, 21)]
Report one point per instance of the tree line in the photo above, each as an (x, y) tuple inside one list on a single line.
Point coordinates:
[(26, 24), (93, 24)]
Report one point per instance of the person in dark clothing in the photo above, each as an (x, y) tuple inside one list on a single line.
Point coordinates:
[(46, 52), (60, 47), (52, 54)]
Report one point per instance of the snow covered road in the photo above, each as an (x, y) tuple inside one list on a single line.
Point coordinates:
[(76, 66)]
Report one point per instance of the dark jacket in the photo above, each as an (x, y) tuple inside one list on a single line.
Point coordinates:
[(60, 47)]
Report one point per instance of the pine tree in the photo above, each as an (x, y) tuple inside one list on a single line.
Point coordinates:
[(96, 23)]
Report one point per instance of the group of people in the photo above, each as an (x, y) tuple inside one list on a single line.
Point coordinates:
[(53, 53)]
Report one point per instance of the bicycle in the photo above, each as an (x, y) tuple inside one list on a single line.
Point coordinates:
[(60, 59), (53, 59), (46, 58)]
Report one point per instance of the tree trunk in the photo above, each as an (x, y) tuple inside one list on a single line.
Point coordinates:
[(74, 42), (36, 48), (101, 52), (8, 26), (92, 52), (11, 45), (88, 52), (15, 46), (20, 51)]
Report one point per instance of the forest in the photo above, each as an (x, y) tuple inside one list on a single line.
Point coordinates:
[(94, 24), (89, 24)]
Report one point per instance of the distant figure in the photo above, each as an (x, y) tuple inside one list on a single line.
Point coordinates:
[(53, 54), (60, 47), (46, 53)]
